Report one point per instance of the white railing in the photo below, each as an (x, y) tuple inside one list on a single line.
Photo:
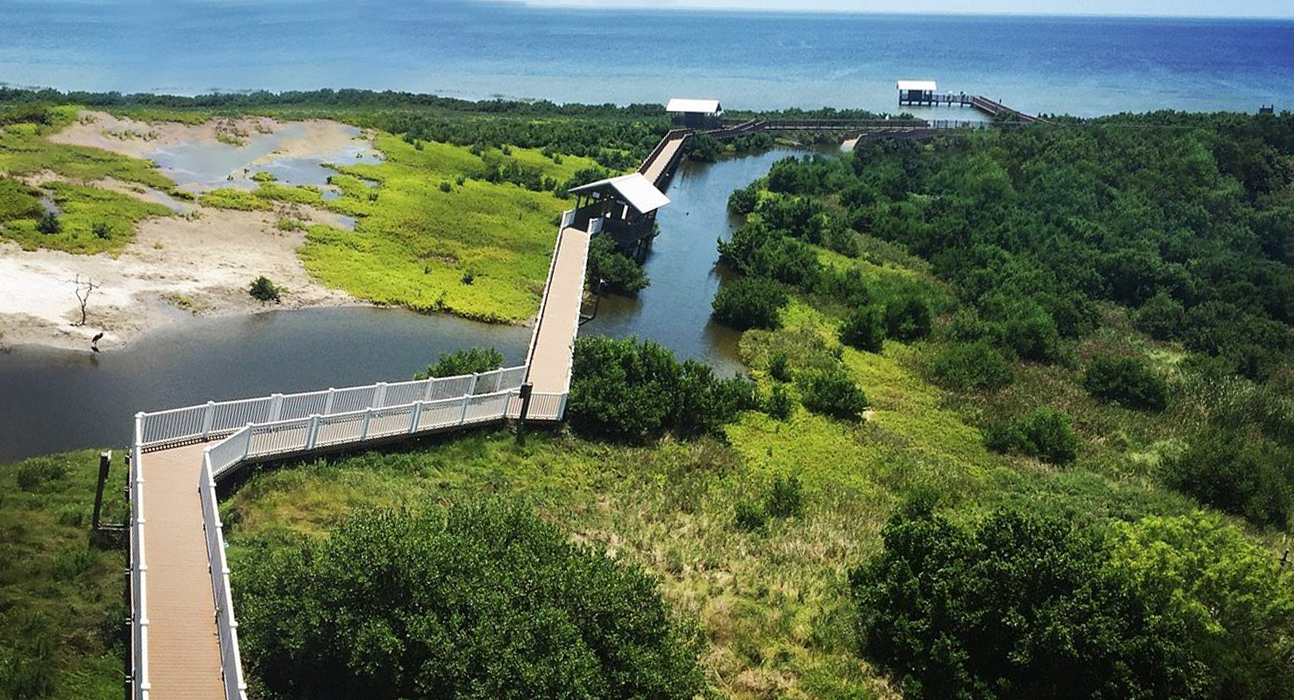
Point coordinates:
[(231, 666), (217, 419), (138, 574)]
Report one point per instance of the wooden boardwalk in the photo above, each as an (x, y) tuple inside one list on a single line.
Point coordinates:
[(559, 319), (183, 646), (665, 155)]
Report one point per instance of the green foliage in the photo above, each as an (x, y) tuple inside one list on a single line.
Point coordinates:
[(1237, 609), (469, 361), (785, 497), (834, 393), (263, 289), (1043, 433), (779, 366), (704, 148), (49, 224), (607, 263), (743, 201), (780, 404), (1125, 381), (635, 392), (1016, 606), (1251, 479), (233, 198), (18, 201), (749, 302), (864, 329), (749, 517), (1162, 317), (61, 611), (445, 186), (485, 601), (973, 366), (907, 318), (25, 150)]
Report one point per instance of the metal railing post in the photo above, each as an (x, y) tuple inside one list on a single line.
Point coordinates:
[(276, 407), (247, 444), (312, 430), (328, 403), (207, 418), (379, 395), (416, 416), (467, 398), (368, 417)]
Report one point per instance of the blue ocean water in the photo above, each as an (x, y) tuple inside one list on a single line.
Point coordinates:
[(476, 49)]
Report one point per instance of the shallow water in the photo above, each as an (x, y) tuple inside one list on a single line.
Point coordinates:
[(57, 400)]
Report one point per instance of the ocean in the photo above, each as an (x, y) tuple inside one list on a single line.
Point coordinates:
[(750, 60)]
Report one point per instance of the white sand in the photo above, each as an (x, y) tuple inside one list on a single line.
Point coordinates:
[(202, 264)]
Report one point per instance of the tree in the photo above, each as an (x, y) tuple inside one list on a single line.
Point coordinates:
[(83, 288), (835, 394), (749, 302), (972, 367), (864, 329), (620, 272), (1017, 606), (484, 601), (460, 362), (1224, 469), (1043, 433), (907, 318), (49, 224), (1126, 382)]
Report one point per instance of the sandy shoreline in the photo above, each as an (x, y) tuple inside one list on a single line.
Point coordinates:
[(198, 264)]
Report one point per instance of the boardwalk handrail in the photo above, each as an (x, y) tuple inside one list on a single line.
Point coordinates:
[(568, 219), (231, 665), (138, 574), (669, 136), (217, 419)]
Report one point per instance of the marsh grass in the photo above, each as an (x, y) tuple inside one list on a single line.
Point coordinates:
[(414, 243), (24, 150), (62, 614), (94, 220)]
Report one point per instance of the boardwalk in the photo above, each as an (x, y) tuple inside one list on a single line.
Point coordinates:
[(183, 630), (550, 356), (184, 649)]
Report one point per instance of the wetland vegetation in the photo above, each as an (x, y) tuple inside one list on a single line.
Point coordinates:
[(1016, 425)]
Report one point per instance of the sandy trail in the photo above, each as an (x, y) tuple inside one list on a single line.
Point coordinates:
[(202, 263)]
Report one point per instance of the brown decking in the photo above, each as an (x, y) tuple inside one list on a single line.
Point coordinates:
[(183, 648), (551, 356), (664, 156)]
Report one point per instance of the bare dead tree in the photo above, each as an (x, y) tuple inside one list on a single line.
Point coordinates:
[(84, 288)]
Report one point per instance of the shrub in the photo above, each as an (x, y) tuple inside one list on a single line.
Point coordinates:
[(1017, 606), (486, 601), (779, 367), (39, 471), (18, 201), (102, 230), (1161, 317), (445, 186), (460, 362), (1254, 480), (1045, 433), (743, 201), (972, 367), (607, 263), (864, 329), (785, 498), (749, 516), (631, 391), (49, 224), (907, 318), (780, 405), (1126, 382), (749, 302), (835, 394), (265, 290)]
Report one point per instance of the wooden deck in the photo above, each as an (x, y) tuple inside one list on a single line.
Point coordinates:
[(665, 155), (550, 360), (183, 646)]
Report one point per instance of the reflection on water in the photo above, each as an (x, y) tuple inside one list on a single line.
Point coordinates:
[(57, 400), (675, 309), (200, 166)]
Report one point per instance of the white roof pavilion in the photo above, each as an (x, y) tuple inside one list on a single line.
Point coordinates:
[(920, 85), (679, 104), (636, 189)]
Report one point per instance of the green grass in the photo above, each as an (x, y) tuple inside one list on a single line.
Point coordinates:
[(62, 613), (414, 242), (233, 198), (86, 209), (24, 150)]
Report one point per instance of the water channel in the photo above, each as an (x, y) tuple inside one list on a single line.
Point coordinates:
[(55, 400)]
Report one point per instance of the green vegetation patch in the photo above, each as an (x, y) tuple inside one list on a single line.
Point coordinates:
[(93, 220), (62, 616), (25, 150), (415, 244)]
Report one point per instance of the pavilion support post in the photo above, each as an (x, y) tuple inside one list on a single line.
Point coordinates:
[(526, 389)]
